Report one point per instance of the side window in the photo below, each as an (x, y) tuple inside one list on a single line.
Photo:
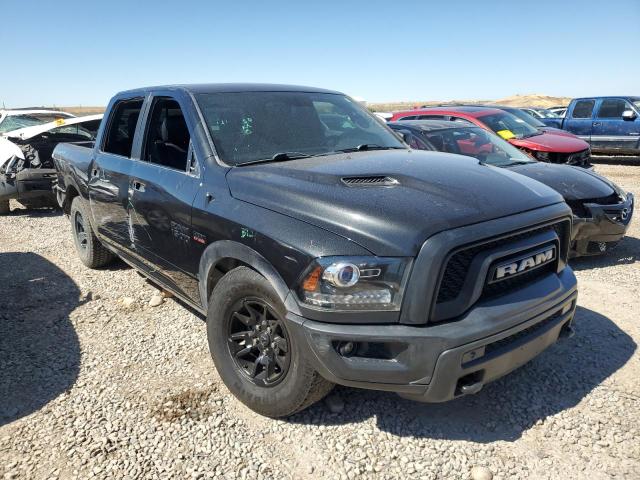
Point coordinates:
[(460, 119), (72, 131), (612, 108), (430, 117), (583, 109), (167, 138), (410, 117), (122, 127)]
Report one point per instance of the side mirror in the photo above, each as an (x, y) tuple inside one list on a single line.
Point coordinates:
[(629, 115)]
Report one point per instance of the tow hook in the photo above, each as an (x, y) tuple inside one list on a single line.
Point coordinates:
[(471, 389), (567, 331)]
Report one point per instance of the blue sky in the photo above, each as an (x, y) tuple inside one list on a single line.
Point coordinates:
[(80, 52)]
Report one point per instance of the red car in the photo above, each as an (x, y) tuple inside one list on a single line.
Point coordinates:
[(542, 145)]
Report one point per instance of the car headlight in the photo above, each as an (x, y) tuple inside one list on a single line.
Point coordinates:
[(355, 283), (542, 156)]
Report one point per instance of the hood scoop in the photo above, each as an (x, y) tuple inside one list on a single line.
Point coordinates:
[(370, 181)]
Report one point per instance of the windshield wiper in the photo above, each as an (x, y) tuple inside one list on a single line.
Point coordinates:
[(278, 157), (539, 132), (516, 162), (368, 146)]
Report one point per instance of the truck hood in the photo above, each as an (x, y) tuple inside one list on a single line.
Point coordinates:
[(551, 142), (573, 183), (434, 192)]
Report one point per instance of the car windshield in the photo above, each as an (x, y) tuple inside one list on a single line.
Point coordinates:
[(509, 126), (255, 126), (14, 122), (527, 117), (476, 142), (636, 102), (548, 114)]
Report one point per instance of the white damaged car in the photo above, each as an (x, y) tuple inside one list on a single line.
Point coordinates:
[(26, 166)]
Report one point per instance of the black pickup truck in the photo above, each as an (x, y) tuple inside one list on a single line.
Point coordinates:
[(319, 246)]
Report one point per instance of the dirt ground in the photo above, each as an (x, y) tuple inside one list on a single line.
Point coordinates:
[(95, 382)]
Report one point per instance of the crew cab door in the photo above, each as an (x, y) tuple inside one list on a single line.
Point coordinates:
[(108, 176), (579, 119), (162, 188), (611, 132)]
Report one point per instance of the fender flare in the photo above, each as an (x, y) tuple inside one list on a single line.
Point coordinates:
[(216, 251)]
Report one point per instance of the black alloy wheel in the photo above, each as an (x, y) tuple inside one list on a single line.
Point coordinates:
[(80, 230), (258, 342)]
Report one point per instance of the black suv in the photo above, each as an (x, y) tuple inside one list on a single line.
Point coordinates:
[(319, 246)]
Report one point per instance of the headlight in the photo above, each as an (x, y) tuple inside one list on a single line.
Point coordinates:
[(355, 283), (542, 156)]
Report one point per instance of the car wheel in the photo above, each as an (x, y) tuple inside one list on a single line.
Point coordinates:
[(258, 359), (91, 252), (4, 207)]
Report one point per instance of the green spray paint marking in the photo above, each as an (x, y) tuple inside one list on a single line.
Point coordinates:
[(246, 233)]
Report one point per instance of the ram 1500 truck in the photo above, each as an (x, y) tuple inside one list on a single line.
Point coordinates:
[(319, 246), (611, 125)]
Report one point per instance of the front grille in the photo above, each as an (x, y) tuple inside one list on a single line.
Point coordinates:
[(509, 342), (510, 284), (458, 265), (579, 158)]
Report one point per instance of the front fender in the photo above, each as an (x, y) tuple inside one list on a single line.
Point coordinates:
[(219, 250)]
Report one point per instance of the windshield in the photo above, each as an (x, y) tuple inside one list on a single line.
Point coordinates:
[(509, 126), (527, 117), (636, 102), (548, 114), (253, 126), (476, 142), (14, 122)]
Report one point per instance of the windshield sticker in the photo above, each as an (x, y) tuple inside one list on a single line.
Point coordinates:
[(506, 134)]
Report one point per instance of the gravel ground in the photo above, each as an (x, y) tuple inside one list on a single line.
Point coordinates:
[(95, 382)]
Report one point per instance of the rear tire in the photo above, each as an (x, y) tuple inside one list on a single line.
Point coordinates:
[(4, 207), (258, 359), (91, 252)]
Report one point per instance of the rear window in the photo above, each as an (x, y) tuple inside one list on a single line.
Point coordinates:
[(122, 127), (583, 109), (612, 108)]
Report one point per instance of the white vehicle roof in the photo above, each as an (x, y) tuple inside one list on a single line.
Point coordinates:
[(28, 132), (9, 112)]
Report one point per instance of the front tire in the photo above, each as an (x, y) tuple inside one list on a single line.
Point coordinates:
[(258, 359), (91, 252)]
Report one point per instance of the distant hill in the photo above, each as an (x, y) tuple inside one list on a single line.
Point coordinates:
[(531, 100), (79, 111)]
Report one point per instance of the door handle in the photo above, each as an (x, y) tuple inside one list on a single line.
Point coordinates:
[(595, 124), (137, 185)]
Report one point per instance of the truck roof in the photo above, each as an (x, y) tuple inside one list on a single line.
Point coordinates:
[(628, 97), (232, 88)]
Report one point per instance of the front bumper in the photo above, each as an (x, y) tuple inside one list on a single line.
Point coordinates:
[(438, 362), (603, 229)]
